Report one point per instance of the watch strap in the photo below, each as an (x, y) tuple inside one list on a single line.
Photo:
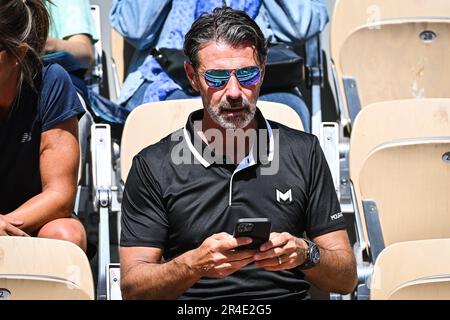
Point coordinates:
[(308, 263)]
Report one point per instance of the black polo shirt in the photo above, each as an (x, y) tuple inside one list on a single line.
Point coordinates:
[(176, 196)]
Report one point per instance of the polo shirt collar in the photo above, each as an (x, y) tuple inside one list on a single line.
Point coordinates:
[(198, 147)]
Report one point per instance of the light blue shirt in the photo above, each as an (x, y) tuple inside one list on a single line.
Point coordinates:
[(163, 23), (68, 18)]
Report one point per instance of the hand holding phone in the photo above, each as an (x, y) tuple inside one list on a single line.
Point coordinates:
[(256, 228)]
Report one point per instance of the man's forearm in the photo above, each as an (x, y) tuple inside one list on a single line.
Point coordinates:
[(167, 280), (335, 273)]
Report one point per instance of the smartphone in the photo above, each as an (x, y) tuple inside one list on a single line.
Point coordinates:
[(256, 228)]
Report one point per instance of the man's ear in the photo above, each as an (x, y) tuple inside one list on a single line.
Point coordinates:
[(190, 73), (263, 72)]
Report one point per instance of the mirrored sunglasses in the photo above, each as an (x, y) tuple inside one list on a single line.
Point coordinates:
[(247, 76)]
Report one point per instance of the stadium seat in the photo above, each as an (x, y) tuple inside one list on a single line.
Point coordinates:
[(167, 116), (390, 121), (118, 47), (387, 50), (404, 194), (409, 181), (413, 270), (383, 123), (351, 14), (395, 59), (43, 269)]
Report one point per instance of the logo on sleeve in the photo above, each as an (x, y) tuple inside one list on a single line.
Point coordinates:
[(336, 216), (284, 198)]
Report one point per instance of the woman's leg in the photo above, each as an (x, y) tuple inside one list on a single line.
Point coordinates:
[(69, 229)]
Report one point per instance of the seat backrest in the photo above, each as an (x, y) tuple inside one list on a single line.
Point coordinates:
[(122, 53), (387, 121), (47, 269), (149, 123), (412, 270), (409, 180), (398, 59), (432, 288), (351, 14), (368, 19), (117, 54), (394, 120)]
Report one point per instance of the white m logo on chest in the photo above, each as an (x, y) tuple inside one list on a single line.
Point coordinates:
[(284, 197)]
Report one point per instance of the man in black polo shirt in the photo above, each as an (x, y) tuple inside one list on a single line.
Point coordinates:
[(184, 194)]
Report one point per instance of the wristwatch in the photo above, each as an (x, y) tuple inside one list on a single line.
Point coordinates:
[(312, 256)]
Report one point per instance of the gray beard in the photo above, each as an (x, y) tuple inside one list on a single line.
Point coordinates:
[(232, 122)]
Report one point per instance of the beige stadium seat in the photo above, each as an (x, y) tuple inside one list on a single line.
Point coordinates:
[(389, 60), (351, 14), (409, 181), (117, 54), (386, 45), (121, 53), (43, 269), (149, 123), (413, 270), (394, 120)]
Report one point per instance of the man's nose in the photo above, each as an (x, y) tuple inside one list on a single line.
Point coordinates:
[(234, 89)]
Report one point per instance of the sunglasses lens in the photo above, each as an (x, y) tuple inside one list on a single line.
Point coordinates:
[(248, 76), (217, 78)]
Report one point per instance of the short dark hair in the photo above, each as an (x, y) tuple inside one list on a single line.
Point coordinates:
[(24, 22), (224, 24)]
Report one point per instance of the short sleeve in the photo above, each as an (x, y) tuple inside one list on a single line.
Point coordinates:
[(58, 100), (70, 18), (324, 213), (144, 218)]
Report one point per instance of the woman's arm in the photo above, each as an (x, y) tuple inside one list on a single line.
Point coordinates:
[(73, 29), (79, 45), (59, 159)]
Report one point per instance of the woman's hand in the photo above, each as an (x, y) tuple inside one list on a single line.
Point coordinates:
[(9, 227)]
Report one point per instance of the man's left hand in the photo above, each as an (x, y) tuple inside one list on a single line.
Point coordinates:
[(283, 251)]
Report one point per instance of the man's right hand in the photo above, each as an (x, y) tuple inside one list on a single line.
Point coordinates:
[(217, 258), (9, 227)]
